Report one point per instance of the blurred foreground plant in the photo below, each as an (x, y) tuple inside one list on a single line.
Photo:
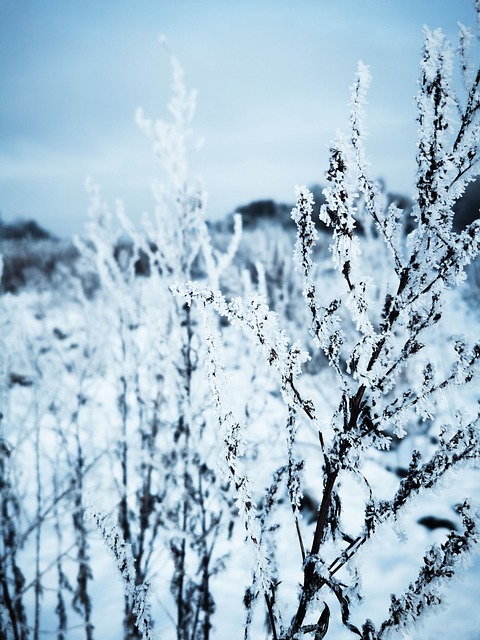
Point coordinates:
[(170, 498)]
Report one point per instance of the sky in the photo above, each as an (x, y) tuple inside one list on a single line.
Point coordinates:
[(272, 77)]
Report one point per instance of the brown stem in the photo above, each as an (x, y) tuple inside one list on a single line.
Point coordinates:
[(271, 616), (300, 539), (322, 515), (310, 585)]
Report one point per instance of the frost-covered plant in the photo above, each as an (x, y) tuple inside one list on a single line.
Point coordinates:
[(136, 593), (45, 471), (13, 617), (371, 332), (169, 492)]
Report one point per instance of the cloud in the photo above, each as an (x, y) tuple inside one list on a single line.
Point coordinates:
[(273, 82)]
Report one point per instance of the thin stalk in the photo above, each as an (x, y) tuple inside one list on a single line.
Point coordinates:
[(38, 533)]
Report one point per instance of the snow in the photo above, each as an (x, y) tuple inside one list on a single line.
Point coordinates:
[(387, 566)]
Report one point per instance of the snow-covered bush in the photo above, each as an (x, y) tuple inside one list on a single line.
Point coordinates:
[(376, 327), (104, 410), (163, 454)]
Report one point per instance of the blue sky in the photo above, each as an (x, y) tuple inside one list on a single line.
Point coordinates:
[(273, 78)]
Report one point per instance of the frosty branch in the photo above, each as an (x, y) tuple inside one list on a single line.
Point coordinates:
[(370, 333)]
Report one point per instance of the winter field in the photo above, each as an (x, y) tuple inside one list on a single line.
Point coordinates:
[(65, 364), (215, 433)]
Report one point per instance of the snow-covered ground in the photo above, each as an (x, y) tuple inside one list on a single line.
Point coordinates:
[(64, 352)]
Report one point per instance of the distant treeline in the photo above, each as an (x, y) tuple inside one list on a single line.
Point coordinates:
[(34, 256)]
